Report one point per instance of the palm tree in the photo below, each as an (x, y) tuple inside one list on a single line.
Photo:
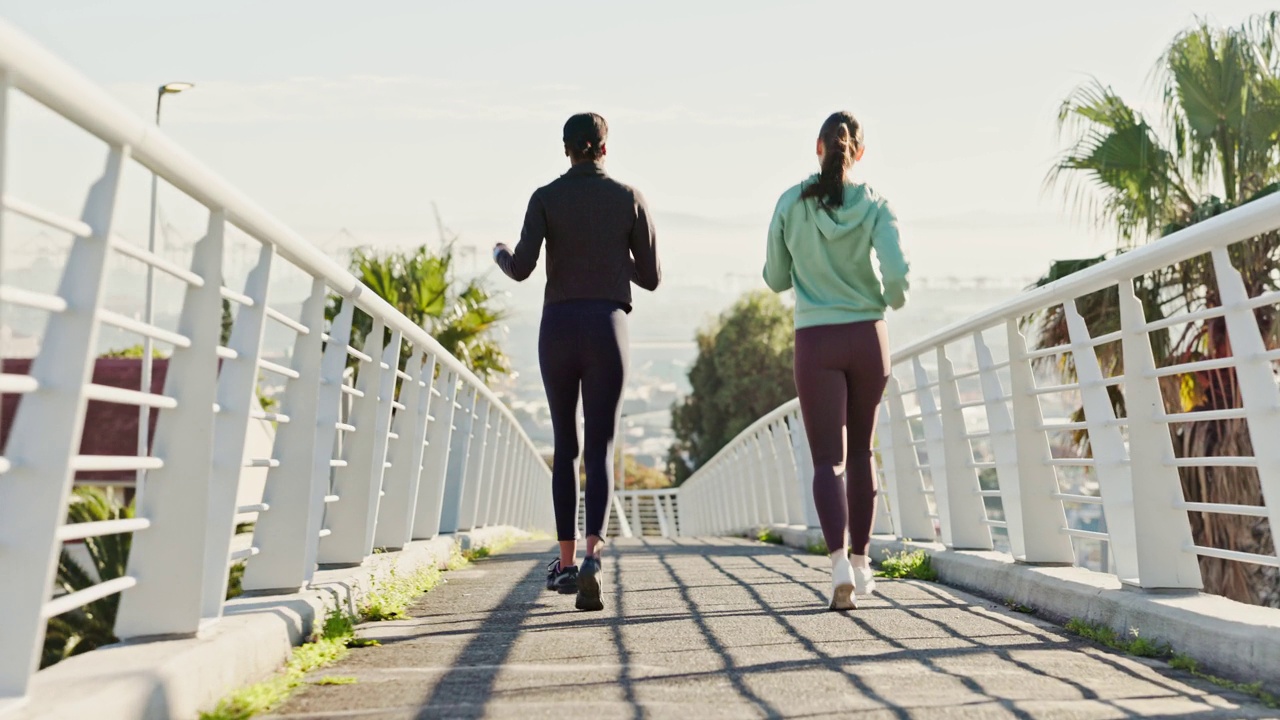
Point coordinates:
[(421, 284), (91, 626), (1217, 148)]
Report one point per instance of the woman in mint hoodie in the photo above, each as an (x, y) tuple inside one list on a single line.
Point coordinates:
[(821, 240)]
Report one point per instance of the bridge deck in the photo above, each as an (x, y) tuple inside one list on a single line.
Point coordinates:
[(732, 629)]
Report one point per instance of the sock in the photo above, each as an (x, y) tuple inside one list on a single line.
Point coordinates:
[(860, 561), (838, 555)]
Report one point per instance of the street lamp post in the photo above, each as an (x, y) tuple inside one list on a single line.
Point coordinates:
[(144, 413)]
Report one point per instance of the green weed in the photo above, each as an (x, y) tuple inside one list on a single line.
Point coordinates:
[(769, 535), (327, 648), (908, 565), (391, 597), (1254, 689), (1019, 607)]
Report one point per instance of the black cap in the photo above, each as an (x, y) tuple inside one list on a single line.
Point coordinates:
[(585, 130)]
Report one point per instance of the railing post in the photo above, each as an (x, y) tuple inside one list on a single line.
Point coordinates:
[(508, 474), (786, 464), (459, 459), (742, 475), (672, 504), (386, 401), (357, 483), (804, 467), (1110, 458), (731, 478), (476, 465), (765, 480), (284, 531), (435, 460), (963, 510), (934, 448), (883, 459), (661, 514), (778, 482), (491, 474), (1043, 519), (517, 468), (328, 414), (35, 489), (637, 523), (1161, 527), (395, 516), (1255, 373), (708, 515), (521, 479), (237, 383), (168, 557), (726, 513), (501, 481), (749, 473), (911, 508)]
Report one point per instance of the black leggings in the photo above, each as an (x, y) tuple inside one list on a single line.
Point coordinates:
[(841, 372), (583, 344)]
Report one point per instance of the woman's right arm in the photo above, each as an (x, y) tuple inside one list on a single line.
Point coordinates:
[(893, 264), (777, 261), (519, 265)]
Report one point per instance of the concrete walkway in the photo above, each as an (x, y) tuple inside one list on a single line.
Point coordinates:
[(722, 628)]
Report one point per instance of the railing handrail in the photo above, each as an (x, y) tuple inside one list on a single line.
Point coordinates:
[(55, 84), (785, 408), (1241, 223)]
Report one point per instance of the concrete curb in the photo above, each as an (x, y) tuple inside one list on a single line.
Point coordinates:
[(178, 678), (1228, 638)]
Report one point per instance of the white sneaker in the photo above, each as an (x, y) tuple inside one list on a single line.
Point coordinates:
[(842, 586), (864, 581)]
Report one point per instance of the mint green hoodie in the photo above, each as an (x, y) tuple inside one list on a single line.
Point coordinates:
[(826, 255)]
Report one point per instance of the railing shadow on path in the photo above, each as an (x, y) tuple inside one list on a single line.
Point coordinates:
[(730, 628)]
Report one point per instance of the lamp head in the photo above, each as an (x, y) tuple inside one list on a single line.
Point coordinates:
[(175, 87)]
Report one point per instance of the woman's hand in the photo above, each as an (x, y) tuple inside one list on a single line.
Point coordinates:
[(499, 249)]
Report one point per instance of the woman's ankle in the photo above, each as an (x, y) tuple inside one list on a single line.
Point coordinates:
[(594, 545), (860, 561), (568, 553), (838, 555)]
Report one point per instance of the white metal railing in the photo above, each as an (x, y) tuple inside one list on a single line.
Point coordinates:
[(941, 425), (424, 448), (640, 513)]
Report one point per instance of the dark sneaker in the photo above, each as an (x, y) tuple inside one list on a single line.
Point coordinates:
[(553, 569), (562, 580), (589, 585)]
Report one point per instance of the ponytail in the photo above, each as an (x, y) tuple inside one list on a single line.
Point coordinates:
[(841, 137), (584, 150)]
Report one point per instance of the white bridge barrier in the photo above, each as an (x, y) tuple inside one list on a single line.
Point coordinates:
[(414, 445), (967, 450)]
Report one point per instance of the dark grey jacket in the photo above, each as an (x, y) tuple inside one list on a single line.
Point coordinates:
[(599, 238)]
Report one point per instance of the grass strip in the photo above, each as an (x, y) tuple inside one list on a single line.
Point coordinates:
[(1131, 643)]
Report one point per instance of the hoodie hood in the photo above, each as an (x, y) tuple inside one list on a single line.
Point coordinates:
[(859, 206)]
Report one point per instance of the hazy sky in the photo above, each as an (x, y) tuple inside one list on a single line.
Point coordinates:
[(357, 116)]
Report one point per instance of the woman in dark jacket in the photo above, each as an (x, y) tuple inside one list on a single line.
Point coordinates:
[(600, 239)]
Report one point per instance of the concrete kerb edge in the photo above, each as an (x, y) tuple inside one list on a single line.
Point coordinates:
[(1228, 638), (178, 678)]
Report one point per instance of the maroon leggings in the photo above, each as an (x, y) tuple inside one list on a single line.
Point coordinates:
[(841, 371)]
